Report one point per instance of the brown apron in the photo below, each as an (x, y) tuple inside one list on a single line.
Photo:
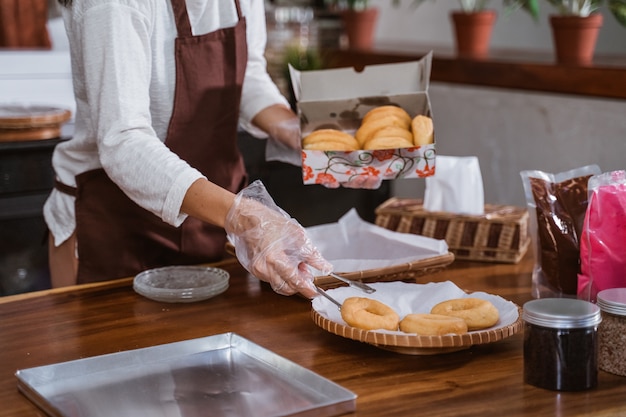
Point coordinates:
[(117, 238)]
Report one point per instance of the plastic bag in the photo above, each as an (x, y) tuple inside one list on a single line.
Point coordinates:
[(557, 204), (603, 240)]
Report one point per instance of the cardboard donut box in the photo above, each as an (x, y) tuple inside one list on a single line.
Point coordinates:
[(339, 98)]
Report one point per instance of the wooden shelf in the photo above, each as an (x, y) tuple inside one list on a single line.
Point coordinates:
[(606, 78)]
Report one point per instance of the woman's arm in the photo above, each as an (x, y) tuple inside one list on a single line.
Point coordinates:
[(207, 202)]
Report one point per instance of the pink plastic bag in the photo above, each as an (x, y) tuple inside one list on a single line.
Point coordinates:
[(603, 240)]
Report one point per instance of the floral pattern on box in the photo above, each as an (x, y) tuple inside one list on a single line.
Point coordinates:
[(333, 167)]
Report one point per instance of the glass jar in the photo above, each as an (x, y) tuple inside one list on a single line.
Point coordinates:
[(612, 331), (561, 344)]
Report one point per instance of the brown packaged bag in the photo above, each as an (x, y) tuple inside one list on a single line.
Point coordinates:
[(557, 204)]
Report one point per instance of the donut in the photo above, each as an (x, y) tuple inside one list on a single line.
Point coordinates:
[(367, 129), (330, 139), (392, 142), (369, 314), (329, 145), (477, 313), (423, 130), (384, 111), (432, 324), (393, 131)]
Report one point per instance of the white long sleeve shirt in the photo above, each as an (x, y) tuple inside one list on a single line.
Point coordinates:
[(122, 54)]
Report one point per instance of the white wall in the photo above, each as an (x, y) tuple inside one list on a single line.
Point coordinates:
[(430, 24), (511, 130)]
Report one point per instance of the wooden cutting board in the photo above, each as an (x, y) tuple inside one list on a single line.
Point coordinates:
[(21, 122)]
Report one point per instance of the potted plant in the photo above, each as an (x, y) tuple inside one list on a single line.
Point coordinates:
[(575, 28), (358, 19), (302, 59), (473, 23)]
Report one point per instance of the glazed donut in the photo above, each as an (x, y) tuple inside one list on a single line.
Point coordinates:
[(368, 314), (423, 130), (384, 111), (432, 324), (331, 140), (477, 313)]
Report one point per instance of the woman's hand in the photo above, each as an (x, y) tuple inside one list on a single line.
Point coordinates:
[(271, 245)]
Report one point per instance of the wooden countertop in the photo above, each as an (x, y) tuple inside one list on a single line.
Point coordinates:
[(63, 325), (516, 70)]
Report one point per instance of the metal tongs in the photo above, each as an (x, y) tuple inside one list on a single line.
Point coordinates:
[(328, 297), (356, 284), (363, 287)]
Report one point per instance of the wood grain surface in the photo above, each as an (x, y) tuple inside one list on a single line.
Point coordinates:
[(63, 325), (605, 78)]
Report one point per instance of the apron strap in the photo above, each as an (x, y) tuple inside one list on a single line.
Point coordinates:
[(64, 188), (238, 6), (183, 26)]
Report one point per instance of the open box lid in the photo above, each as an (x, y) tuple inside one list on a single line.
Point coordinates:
[(373, 80)]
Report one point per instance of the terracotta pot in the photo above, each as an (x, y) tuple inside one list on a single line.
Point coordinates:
[(473, 32), (575, 38), (359, 26)]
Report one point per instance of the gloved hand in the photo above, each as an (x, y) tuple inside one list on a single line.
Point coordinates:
[(284, 143), (287, 132), (271, 245), (369, 182)]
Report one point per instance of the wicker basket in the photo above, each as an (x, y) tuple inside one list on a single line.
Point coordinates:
[(500, 235), (408, 271)]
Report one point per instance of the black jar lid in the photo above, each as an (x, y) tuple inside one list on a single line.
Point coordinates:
[(613, 301), (561, 313)]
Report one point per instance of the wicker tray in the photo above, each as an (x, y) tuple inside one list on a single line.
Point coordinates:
[(409, 271), (500, 235), (413, 344), (418, 345)]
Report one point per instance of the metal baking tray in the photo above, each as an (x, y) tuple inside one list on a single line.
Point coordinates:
[(221, 375)]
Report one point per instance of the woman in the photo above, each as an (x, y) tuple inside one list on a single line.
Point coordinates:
[(151, 174)]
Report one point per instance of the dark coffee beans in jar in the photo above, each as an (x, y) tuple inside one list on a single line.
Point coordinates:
[(561, 344)]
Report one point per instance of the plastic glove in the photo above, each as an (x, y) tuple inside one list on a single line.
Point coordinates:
[(271, 245), (287, 132), (369, 182), (284, 143)]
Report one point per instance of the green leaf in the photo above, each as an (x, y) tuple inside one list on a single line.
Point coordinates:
[(618, 8)]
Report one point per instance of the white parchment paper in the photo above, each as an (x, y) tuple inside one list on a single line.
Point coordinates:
[(406, 298), (353, 244)]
